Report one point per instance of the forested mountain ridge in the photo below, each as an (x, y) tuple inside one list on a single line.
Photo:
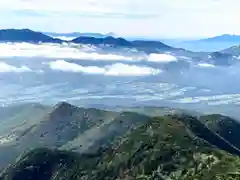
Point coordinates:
[(175, 147)]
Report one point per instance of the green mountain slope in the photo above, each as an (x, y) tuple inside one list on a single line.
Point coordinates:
[(154, 111), (66, 127), (202, 131), (41, 164), (52, 128), (63, 124), (224, 126), (163, 148), (106, 132), (17, 117)]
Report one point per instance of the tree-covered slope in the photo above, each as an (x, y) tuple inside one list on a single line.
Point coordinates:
[(166, 148), (16, 117), (224, 126), (41, 164), (66, 127), (103, 134), (163, 148)]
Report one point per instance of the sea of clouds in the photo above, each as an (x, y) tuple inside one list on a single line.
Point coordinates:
[(69, 57), (6, 68), (72, 57), (58, 53), (73, 51), (117, 69), (202, 82)]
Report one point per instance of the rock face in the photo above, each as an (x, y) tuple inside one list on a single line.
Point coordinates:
[(178, 147)]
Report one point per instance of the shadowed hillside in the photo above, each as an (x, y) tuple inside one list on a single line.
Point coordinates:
[(224, 126)]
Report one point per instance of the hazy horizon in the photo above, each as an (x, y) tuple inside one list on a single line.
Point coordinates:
[(126, 36), (166, 19)]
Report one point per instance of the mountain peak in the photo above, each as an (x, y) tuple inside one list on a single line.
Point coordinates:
[(223, 38), (109, 40), (63, 108), (25, 35), (30, 36), (64, 105)]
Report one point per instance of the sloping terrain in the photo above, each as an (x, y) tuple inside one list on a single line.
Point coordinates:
[(133, 143), (224, 37), (105, 133), (16, 121), (222, 58), (235, 50), (141, 45), (30, 36), (63, 124), (224, 126), (16, 117), (41, 164), (67, 127), (202, 131), (154, 111), (164, 148), (51, 128), (25, 35), (101, 41)]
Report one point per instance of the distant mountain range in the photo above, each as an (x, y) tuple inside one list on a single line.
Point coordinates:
[(30, 36), (72, 143), (217, 43), (27, 35), (223, 38), (77, 34)]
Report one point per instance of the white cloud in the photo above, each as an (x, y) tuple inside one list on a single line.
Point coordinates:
[(65, 66), (212, 100), (57, 51), (206, 65), (120, 69), (65, 38), (236, 57), (6, 68), (162, 58), (117, 69), (77, 52)]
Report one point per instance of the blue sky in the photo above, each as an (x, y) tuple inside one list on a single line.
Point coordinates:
[(153, 18)]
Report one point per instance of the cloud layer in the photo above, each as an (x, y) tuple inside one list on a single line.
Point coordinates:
[(206, 65), (118, 69), (73, 51), (161, 58), (56, 51), (6, 68)]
